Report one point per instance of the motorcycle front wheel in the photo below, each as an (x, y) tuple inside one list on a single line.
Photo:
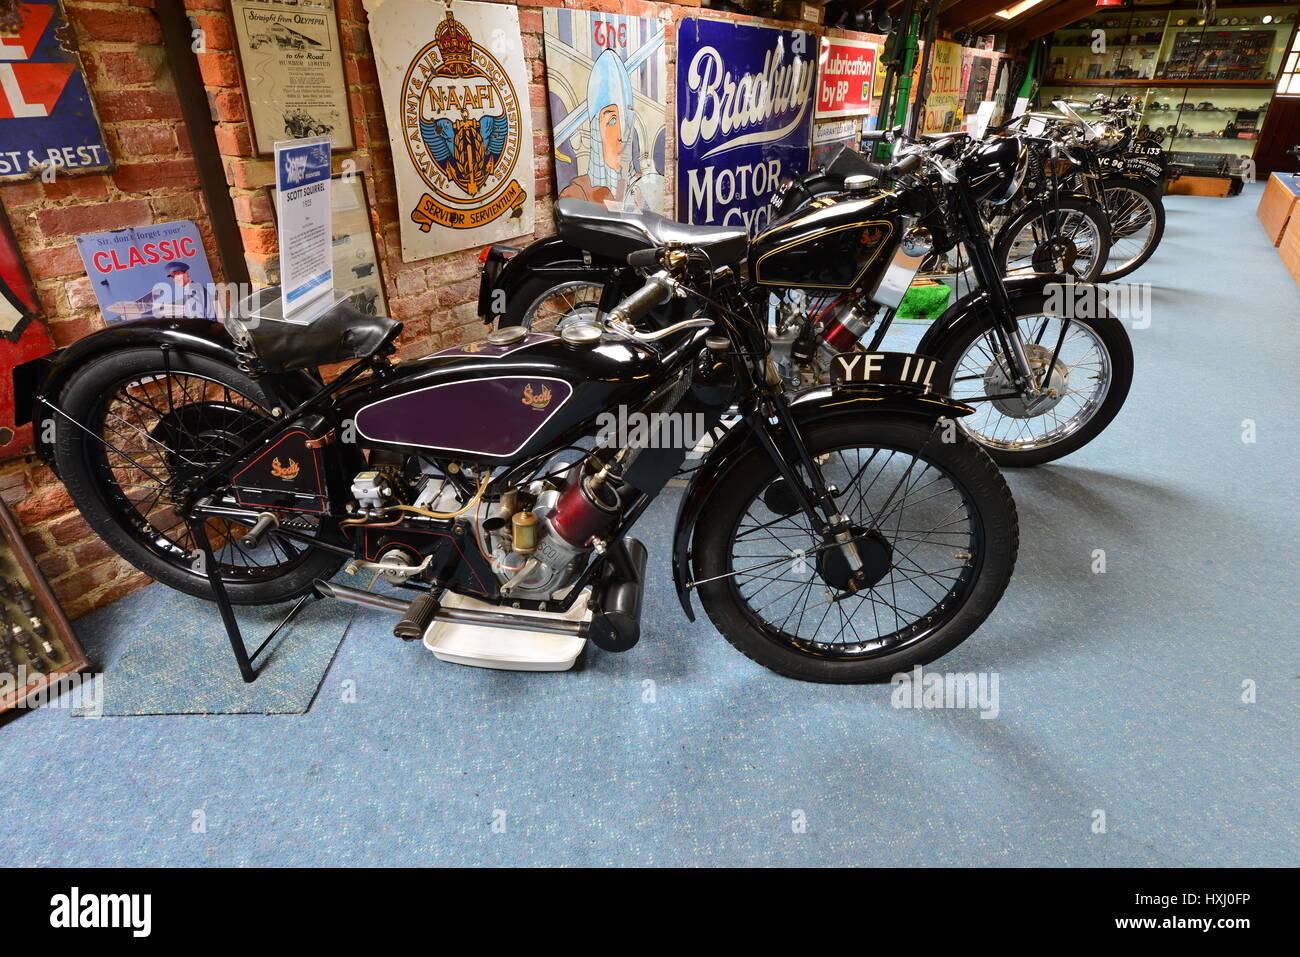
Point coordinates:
[(1072, 240), (936, 531), (1088, 384)]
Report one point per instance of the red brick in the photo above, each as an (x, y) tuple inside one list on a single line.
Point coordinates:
[(74, 586), (77, 187), (257, 240), (71, 529), (91, 551), (43, 506), (118, 105), (234, 140), (65, 332), (252, 208), (126, 67), (81, 295), (53, 564), (121, 25), (145, 140), (156, 174), (216, 32), (54, 261), (219, 69), (13, 195), (93, 218)]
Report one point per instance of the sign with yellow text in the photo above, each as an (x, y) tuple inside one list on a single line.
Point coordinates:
[(943, 112), (455, 94)]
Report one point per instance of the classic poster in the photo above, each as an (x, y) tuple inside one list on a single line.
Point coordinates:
[(845, 71), (744, 111), (357, 273), (978, 87), (150, 272), (607, 85), (46, 114), (23, 337), (292, 64), (455, 95), (943, 105)]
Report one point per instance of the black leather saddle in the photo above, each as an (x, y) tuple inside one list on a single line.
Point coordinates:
[(338, 334), (592, 227)]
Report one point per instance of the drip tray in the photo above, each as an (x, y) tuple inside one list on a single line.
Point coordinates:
[(506, 648)]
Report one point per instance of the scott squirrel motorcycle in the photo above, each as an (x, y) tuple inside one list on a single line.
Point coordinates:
[(1044, 383), (843, 535)]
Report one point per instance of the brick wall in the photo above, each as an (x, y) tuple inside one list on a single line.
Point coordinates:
[(155, 181)]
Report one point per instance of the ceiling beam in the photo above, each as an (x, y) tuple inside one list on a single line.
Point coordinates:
[(1058, 16), (967, 13)]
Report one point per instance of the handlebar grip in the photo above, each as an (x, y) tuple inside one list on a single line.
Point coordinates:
[(908, 163), (636, 306)]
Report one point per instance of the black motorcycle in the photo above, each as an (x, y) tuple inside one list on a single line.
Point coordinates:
[(842, 535), (1045, 378)]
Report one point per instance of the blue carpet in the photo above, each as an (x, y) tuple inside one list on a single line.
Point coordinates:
[(1120, 692), (179, 660)]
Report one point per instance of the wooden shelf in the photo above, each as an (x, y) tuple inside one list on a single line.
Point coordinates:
[(1230, 84)]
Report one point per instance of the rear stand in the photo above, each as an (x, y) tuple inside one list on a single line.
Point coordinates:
[(245, 659)]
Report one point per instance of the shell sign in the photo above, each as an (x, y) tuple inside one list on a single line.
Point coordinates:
[(455, 96)]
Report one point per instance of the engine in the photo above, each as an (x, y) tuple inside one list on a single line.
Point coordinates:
[(533, 540)]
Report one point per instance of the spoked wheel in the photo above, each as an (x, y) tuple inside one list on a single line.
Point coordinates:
[(1137, 224), (1084, 391), (554, 308), (143, 426), (1073, 240), (935, 532)]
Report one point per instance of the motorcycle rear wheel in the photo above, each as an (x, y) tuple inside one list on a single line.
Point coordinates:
[(167, 418), (939, 533), (1080, 226), (1137, 219)]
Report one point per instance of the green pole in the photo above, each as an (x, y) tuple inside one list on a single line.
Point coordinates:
[(904, 87)]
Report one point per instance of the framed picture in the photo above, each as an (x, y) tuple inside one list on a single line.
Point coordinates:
[(23, 338), (37, 646), (357, 270), (291, 71)]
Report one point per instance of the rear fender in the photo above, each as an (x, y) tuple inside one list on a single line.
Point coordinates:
[(45, 377), (808, 409), (551, 257)]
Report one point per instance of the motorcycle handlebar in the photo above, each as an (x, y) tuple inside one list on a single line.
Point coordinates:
[(655, 292)]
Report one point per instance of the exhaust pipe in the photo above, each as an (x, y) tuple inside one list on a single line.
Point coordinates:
[(617, 623), (417, 615)]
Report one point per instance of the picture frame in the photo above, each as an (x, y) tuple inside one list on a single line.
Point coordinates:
[(18, 565), (271, 36), (358, 267)]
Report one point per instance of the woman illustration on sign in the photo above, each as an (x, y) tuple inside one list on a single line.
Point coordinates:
[(609, 128)]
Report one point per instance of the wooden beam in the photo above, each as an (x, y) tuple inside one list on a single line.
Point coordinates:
[(966, 13), (1063, 13)]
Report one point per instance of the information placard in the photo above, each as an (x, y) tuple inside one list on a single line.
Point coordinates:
[(302, 179)]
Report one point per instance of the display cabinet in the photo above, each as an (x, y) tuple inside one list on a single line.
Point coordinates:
[(1204, 86)]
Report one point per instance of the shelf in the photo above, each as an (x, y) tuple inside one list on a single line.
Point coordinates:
[(1229, 84)]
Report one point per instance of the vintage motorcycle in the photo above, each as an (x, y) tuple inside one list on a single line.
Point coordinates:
[(1044, 382), (843, 535)]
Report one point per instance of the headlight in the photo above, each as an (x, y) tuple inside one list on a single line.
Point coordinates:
[(1013, 184)]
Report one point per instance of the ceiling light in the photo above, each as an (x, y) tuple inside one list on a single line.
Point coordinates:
[(1016, 9)]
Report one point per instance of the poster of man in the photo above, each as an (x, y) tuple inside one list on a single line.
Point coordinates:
[(150, 272), (606, 77)]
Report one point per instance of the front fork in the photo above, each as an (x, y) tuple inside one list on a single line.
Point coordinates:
[(774, 427)]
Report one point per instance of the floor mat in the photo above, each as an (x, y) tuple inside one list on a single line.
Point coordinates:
[(179, 659)]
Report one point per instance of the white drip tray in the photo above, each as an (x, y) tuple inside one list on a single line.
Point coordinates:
[(506, 648)]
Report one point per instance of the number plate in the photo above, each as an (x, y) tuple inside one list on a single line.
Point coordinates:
[(888, 368)]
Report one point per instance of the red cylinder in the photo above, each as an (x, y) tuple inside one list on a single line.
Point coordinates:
[(582, 512)]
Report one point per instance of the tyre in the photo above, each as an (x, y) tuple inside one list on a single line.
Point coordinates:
[(150, 423), (938, 536), (1136, 211), (1075, 243), (1091, 379)]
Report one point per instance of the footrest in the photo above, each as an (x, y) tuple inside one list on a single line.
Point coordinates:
[(418, 618), (485, 647)]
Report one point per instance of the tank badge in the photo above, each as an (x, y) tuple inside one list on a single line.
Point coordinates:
[(287, 472), (473, 346), (536, 400), (871, 237)]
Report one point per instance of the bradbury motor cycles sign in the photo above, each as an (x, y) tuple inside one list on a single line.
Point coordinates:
[(744, 108), (453, 83)]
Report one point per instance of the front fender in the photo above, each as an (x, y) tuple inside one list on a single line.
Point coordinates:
[(808, 408), (44, 378), (973, 308)]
